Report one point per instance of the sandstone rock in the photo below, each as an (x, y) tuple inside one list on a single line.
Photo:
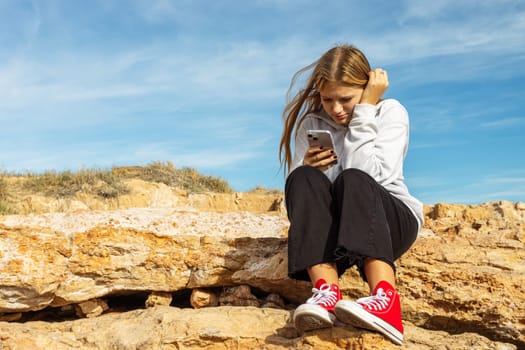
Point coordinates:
[(41, 204), (65, 267), (274, 300), (203, 298), (146, 195), (91, 308), (222, 327), (463, 275), (33, 263), (238, 296), (10, 317), (158, 299), (472, 280), (457, 219), (238, 201)]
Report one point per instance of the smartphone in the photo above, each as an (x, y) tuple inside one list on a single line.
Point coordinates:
[(320, 138)]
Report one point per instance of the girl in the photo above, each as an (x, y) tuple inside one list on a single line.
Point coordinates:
[(347, 205)]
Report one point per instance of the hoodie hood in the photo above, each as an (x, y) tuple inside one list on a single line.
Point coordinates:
[(325, 118)]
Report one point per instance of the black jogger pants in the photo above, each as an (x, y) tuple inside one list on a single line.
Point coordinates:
[(344, 222)]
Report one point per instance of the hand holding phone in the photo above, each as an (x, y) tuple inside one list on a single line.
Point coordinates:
[(321, 153)]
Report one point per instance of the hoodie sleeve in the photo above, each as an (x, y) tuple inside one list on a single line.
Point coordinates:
[(300, 145), (377, 140)]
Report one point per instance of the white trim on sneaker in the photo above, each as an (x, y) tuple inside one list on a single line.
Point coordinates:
[(312, 316), (352, 313), (317, 312)]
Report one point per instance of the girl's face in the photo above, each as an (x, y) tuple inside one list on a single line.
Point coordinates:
[(339, 100)]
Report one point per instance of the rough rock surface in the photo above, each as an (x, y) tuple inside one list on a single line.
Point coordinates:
[(224, 327), (462, 283)]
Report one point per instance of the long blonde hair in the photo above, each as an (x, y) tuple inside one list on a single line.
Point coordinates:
[(341, 64)]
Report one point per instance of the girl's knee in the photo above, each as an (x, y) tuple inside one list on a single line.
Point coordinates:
[(305, 173), (353, 175)]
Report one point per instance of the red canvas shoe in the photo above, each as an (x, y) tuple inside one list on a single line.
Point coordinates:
[(318, 311), (380, 312)]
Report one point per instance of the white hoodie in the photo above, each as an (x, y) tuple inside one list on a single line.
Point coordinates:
[(375, 141)]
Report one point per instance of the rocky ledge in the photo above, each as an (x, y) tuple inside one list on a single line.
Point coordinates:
[(180, 277)]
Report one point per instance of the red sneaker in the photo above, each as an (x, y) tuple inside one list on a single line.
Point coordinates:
[(380, 312), (318, 311)]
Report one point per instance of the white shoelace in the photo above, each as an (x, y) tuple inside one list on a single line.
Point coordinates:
[(323, 296), (376, 302)]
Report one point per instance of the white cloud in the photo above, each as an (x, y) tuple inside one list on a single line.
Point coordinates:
[(503, 123), (415, 9), (69, 77), (513, 195), (164, 10), (498, 180), (505, 186), (449, 27), (244, 68), (448, 9), (247, 70), (214, 158), (444, 144), (425, 181)]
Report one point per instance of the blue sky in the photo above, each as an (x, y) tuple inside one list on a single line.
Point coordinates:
[(202, 84)]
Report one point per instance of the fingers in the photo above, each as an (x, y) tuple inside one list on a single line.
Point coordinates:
[(379, 76), (376, 86), (320, 158)]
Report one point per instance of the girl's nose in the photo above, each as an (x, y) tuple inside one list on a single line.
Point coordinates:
[(337, 107)]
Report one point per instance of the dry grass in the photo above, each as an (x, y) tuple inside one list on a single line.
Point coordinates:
[(185, 178), (3, 188), (5, 206), (265, 191), (110, 184), (105, 184), (101, 183)]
